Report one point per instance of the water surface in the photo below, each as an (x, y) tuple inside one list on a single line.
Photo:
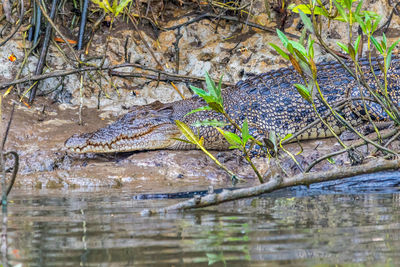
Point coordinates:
[(353, 221)]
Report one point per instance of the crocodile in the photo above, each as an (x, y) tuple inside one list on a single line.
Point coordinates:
[(269, 101)]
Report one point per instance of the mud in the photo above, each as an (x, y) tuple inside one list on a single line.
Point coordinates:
[(39, 132)]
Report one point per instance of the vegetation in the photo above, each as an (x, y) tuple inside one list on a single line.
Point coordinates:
[(314, 16)]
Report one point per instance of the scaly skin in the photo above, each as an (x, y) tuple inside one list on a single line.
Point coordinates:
[(268, 101)]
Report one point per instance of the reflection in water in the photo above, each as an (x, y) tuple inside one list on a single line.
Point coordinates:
[(287, 228)]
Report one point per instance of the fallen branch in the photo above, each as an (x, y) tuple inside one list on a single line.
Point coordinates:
[(62, 73), (278, 183)]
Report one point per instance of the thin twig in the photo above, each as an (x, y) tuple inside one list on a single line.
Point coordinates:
[(93, 68), (229, 18), (3, 143), (21, 18), (43, 51), (357, 144), (57, 30)]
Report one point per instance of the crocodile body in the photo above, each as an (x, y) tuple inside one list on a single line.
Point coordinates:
[(269, 101)]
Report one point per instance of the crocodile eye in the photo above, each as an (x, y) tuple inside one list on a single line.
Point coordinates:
[(165, 111)]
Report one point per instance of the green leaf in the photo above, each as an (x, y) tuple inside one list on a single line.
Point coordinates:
[(216, 106), (283, 38), (321, 11), (188, 133), (213, 123), (307, 21), (357, 43), (272, 139), (377, 45), (303, 58), (121, 6), (199, 109), (210, 97), (384, 41), (352, 52), (310, 47), (211, 85), (219, 94), (343, 46), (304, 92), (245, 132), (304, 8), (340, 18), (104, 4), (268, 143), (393, 46), (341, 11), (307, 10), (347, 3), (299, 47), (198, 91), (290, 48), (388, 60), (362, 24), (114, 6), (280, 51), (358, 8), (376, 24), (232, 138)]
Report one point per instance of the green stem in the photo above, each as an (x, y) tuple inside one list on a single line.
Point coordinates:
[(247, 157)]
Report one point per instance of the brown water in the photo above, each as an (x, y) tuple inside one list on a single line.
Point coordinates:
[(355, 221)]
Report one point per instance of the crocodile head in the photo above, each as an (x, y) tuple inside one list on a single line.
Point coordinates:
[(146, 127)]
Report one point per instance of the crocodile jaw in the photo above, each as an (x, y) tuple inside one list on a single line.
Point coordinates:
[(157, 137), (146, 127)]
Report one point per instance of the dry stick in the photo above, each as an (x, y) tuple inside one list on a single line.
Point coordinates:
[(178, 37), (57, 30), (43, 52), (394, 137), (73, 71), (157, 77), (5, 191), (278, 183), (230, 18), (359, 143), (21, 17), (94, 28)]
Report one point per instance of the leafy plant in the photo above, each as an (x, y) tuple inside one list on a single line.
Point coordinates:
[(302, 58), (213, 97), (115, 8)]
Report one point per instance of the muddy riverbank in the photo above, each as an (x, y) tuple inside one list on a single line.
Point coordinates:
[(38, 132)]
